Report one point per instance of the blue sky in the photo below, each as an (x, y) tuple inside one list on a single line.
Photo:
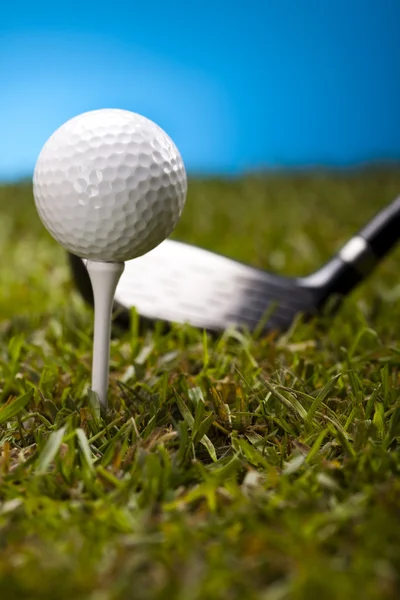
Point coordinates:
[(237, 85)]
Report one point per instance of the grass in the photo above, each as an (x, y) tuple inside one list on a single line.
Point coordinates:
[(227, 468)]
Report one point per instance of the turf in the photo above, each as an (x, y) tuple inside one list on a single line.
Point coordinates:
[(230, 468)]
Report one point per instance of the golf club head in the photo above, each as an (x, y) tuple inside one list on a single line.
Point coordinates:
[(178, 282)]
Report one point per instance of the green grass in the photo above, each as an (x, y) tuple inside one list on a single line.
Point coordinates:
[(227, 468)]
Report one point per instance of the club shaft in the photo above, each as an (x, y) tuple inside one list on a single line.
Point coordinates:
[(360, 255), (104, 278), (383, 231)]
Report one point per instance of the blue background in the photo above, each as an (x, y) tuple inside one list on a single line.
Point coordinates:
[(238, 85)]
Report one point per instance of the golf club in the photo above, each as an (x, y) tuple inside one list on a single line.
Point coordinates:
[(178, 282)]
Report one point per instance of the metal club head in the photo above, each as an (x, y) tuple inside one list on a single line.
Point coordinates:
[(178, 282)]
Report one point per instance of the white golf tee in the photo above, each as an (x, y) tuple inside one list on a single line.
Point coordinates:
[(104, 277)]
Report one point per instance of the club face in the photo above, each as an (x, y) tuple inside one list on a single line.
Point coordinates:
[(177, 282)]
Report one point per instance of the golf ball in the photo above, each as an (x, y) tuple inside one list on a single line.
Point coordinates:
[(109, 185)]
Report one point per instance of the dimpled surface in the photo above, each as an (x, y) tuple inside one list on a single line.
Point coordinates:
[(109, 185)]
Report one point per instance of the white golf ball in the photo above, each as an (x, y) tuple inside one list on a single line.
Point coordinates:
[(109, 185)]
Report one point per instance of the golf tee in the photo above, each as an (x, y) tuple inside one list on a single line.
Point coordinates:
[(104, 277)]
